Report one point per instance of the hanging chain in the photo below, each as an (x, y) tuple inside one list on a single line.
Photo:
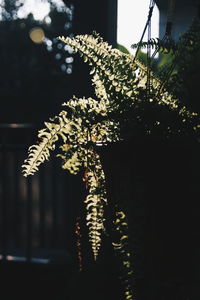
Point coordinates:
[(147, 25), (149, 54), (167, 38), (151, 7)]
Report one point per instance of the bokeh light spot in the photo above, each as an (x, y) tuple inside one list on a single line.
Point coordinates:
[(37, 35)]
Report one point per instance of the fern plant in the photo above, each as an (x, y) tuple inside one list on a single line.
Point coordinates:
[(178, 63), (122, 110)]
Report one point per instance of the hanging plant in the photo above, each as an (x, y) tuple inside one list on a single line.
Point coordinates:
[(123, 109)]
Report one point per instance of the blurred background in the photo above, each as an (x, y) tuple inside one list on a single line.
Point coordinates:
[(38, 73)]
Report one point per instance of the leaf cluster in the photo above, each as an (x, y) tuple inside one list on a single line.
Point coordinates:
[(121, 247), (159, 45)]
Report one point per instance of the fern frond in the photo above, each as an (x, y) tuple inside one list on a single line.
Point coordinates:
[(48, 136), (162, 46), (95, 201), (121, 80), (76, 135), (116, 75), (37, 154), (78, 243), (121, 247)]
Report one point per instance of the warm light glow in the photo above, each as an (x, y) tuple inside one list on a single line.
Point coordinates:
[(37, 35)]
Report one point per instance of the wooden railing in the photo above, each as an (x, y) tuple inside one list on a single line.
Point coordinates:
[(38, 212)]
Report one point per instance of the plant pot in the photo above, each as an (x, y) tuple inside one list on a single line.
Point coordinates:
[(156, 184)]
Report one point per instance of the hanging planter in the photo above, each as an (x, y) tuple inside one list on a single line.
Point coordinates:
[(122, 132)]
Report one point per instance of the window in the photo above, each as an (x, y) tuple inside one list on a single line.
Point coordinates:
[(132, 17)]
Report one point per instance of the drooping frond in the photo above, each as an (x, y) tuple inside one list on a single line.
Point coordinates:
[(122, 250), (78, 243), (96, 200), (37, 154), (82, 124), (73, 129)]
